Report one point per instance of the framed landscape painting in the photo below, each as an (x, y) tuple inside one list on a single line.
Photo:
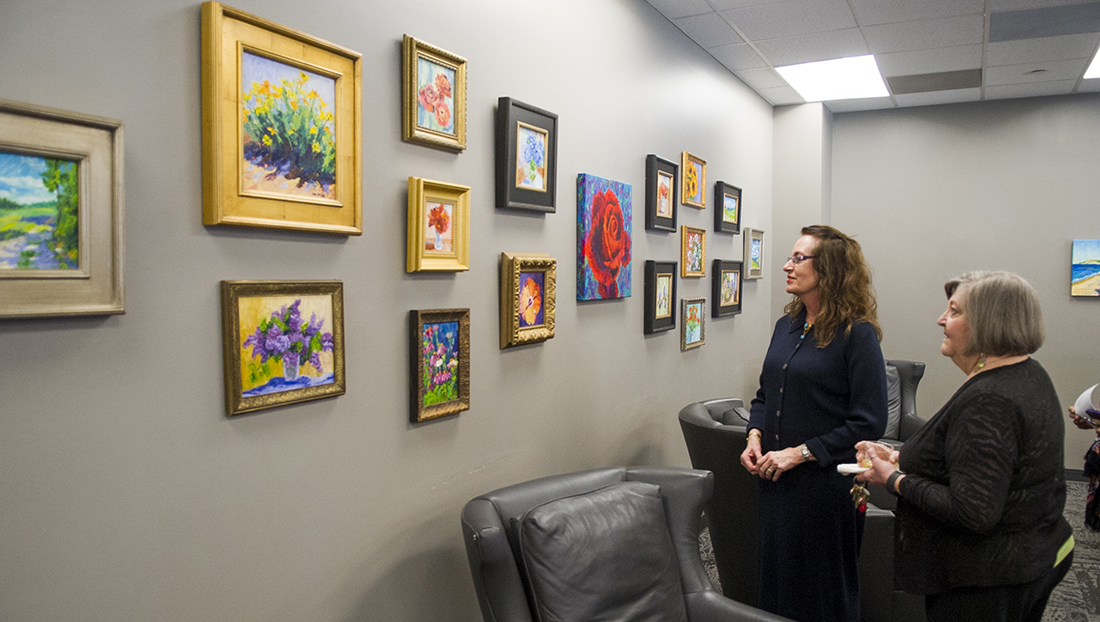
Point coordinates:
[(283, 342), (660, 296), (528, 294), (693, 180), (662, 186), (693, 252), (754, 254), (281, 126), (61, 189), (433, 96), (1085, 272), (727, 213), (526, 156), (603, 238), (438, 232), (726, 288), (693, 333), (440, 375)]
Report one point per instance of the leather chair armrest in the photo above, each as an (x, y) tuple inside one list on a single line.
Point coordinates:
[(710, 606)]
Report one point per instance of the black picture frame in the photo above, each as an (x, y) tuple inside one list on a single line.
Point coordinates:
[(511, 116), (722, 190), (720, 305), (656, 170), (667, 320)]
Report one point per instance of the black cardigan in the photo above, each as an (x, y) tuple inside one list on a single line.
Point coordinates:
[(983, 501)]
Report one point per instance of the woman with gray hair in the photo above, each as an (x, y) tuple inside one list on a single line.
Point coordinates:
[(980, 528)]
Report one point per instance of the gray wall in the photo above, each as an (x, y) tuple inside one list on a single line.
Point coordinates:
[(126, 494), (936, 191)]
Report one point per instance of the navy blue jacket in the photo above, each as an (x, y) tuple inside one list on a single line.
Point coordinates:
[(829, 398)]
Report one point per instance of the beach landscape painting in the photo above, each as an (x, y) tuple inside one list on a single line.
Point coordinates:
[(1085, 277), (39, 213)]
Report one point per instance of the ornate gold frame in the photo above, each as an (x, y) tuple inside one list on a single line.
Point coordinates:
[(95, 286), (686, 159), (412, 50), (511, 266), (226, 33), (418, 258), (684, 271)]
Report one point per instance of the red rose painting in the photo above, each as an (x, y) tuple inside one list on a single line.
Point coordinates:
[(603, 258)]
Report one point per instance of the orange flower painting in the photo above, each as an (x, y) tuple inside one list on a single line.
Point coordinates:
[(530, 299), (438, 235)]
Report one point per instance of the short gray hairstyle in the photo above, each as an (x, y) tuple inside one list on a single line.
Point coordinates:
[(1002, 311)]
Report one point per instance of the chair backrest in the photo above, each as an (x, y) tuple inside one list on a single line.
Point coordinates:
[(910, 374), (492, 525)]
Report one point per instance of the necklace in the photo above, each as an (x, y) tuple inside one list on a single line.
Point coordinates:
[(805, 329)]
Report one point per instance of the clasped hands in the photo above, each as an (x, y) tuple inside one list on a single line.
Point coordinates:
[(771, 465)]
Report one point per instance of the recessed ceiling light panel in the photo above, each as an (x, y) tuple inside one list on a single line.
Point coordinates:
[(844, 78)]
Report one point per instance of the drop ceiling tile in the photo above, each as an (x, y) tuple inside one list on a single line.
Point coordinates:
[(1038, 89), (939, 97), (1089, 86), (724, 5), (1022, 74), (1044, 22), (781, 96), (1019, 5), (681, 8), (761, 78), (813, 47), (870, 12), (856, 105), (1042, 49), (794, 17), (738, 56), (930, 61), (708, 30), (925, 34)]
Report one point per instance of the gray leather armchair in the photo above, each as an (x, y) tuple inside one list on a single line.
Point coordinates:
[(615, 543), (714, 431)]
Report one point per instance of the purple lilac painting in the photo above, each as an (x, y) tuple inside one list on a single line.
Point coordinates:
[(282, 350), (603, 238)]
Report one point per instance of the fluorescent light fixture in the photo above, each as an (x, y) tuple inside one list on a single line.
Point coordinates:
[(843, 78), (1094, 67)]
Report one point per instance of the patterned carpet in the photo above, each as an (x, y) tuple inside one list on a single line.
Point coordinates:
[(1077, 597)]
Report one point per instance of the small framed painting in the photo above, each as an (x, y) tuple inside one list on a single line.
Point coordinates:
[(662, 186), (438, 227), (726, 288), (693, 251), (754, 254), (693, 180), (283, 342), (281, 126), (693, 333), (440, 374), (603, 238), (528, 290), (660, 296), (60, 213), (526, 156), (433, 96), (727, 213), (1085, 272)]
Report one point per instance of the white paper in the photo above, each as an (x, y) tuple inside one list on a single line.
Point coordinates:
[(1087, 400), (851, 469)]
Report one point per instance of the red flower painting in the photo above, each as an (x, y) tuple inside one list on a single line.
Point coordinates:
[(607, 246)]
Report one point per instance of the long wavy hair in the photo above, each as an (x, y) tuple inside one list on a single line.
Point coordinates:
[(844, 286)]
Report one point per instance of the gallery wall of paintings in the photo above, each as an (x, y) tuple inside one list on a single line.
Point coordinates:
[(365, 253)]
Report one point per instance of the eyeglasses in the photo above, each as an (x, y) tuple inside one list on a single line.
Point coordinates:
[(797, 259)]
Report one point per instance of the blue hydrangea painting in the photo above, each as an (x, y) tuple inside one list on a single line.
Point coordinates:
[(531, 157), (603, 238)]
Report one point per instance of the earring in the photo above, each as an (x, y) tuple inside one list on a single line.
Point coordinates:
[(981, 362)]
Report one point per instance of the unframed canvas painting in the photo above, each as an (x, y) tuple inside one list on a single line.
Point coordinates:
[(1085, 280), (603, 238), (39, 213)]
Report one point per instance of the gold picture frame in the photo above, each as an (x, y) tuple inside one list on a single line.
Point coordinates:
[(693, 180), (304, 362), (303, 97), (693, 252), (439, 380), (438, 227), (74, 162), (433, 96), (528, 291)]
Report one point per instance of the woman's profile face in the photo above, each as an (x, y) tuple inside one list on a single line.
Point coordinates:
[(956, 328), (801, 276)]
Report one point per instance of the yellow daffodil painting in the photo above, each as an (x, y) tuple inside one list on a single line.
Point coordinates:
[(289, 137)]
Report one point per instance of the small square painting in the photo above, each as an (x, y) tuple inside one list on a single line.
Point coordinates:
[(39, 213), (531, 143), (664, 194), (530, 306), (729, 208), (663, 306), (731, 287), (286, 343), (1085, 272)]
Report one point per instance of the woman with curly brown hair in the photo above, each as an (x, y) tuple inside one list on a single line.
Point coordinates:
[(822, 390)]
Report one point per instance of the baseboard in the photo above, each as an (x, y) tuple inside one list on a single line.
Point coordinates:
[(1076, 475)]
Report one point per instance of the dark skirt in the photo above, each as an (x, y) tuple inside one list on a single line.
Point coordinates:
[(810, 533), (1092, 501)]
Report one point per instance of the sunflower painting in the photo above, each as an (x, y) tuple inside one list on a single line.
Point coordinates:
[(693, 182)]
